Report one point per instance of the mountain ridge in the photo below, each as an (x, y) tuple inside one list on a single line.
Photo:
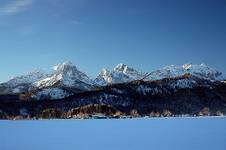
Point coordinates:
[(66, 77)]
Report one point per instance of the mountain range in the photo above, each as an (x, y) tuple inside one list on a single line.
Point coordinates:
[(67, 92), (66, 79)]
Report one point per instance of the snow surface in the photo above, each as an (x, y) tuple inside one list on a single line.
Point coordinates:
[(126, 134)]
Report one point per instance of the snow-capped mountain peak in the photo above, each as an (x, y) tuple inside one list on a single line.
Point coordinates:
[(67, 73), (68, 69), (120, 74), (104, 77), (64, 66), (201, 71), (121, 68), (106, 74)]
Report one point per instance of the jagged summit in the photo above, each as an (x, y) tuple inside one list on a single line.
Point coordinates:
[(67, 74), (106, 75), (64, 66), (121, 68), (120, 74)]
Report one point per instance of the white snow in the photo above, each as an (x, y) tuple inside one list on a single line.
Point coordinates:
[(47, 82), (174, 85), (70, 74), (144, 90), (183, 83), (51, 93)]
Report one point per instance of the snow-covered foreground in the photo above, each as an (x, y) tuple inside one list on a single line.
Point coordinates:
[(126, 134)]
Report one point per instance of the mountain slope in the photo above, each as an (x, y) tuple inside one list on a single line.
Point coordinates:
[(22, 83), (63, 76)]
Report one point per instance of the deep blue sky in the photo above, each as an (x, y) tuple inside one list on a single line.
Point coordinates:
[(145, 34)]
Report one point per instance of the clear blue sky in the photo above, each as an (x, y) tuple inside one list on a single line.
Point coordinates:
[(145, 34)]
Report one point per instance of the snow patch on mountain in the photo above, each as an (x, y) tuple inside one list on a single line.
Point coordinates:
[(51, 93), (48, 82), (183, 84), (167, 87), (142, 89)]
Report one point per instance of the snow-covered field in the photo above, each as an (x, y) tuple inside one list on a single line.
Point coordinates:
[(126, 134)]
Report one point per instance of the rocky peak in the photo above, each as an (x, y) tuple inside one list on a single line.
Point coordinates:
[(121, 68)]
